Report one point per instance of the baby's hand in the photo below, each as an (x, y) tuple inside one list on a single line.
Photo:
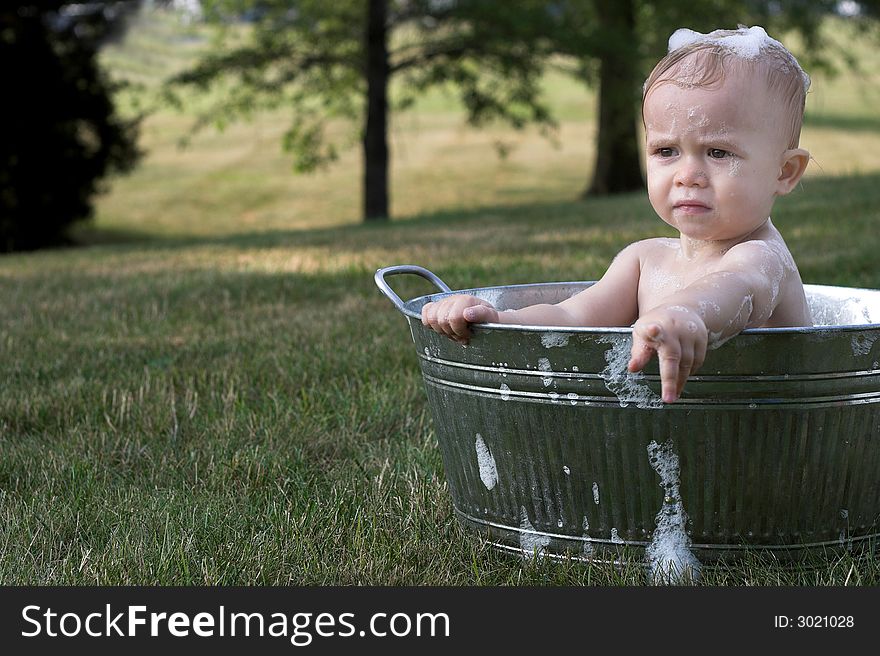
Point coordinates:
[(679, 336), (452, 315)]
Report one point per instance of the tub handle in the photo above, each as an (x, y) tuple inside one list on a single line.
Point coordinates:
[(383, 286)]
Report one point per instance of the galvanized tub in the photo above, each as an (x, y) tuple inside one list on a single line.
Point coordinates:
[(550, 446)]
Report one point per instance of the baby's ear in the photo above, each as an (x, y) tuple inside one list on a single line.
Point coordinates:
[(794, 163)]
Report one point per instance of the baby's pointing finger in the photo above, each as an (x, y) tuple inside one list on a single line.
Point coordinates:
[(670, 359)]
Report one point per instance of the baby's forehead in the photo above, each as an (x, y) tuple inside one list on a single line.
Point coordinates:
[(738, 96), (732, 100)]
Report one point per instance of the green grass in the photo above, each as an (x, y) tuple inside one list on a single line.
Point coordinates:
[(211, 390)]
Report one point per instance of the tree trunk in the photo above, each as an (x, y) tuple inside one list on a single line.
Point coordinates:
[(618, 166), (375, 133)]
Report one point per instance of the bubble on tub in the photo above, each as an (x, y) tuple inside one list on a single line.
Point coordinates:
[(575, 368), (615, 538), (596, 492), (669, 557), (531, 542), (566, 470), (862, 343), (588, 544), (544, 365), (559, 523), (486, 463), (628, 387), (553, 340), (505, 392), (554, 397), (572, 398), (427, 353)]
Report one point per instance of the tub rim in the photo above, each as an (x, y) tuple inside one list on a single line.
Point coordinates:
[(408, 310)]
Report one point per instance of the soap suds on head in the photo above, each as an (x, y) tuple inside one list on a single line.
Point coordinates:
[(530, 542), (746, 43), (486, 463), (669, 556), (628, 387)]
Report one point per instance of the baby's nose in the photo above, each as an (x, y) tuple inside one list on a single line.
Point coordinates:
[(690, 174)]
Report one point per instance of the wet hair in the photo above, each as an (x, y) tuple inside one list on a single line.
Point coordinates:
[(704, 62)]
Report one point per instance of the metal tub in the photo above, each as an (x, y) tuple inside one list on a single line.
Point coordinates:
[(550, 446)]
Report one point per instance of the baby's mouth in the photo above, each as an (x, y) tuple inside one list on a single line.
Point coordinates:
[(691, 207)]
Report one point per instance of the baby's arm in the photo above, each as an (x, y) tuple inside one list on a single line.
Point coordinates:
[(612, 301), (741, 293)]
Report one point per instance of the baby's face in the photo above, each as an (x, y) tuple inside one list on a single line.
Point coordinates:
[(713, 156)]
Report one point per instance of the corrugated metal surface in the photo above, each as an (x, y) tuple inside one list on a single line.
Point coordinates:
[(777, 438)]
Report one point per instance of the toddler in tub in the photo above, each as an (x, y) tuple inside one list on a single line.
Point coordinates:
[(722, 115)]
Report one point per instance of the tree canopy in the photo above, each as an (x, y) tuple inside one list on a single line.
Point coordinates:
[(327, 60), (62, 134)]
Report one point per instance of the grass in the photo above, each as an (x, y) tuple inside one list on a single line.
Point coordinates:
[(211, 391)]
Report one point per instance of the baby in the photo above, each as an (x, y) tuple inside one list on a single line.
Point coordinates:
[(722, 114)]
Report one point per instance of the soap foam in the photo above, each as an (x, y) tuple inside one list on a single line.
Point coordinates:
[(669, 556), (628, 387), (486, 463), (531, 543), (746, 43), (551, 340)]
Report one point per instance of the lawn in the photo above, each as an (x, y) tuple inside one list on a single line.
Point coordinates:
[(210, 389)]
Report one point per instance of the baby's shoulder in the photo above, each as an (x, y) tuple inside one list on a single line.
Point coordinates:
[(771, 247), (654, 246), (655, 251)]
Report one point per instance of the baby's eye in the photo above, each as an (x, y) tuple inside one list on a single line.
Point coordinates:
[(666, 152), (718, 153)]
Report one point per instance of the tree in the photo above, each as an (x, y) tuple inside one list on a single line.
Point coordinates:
[(61, 132), (337, 59)]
